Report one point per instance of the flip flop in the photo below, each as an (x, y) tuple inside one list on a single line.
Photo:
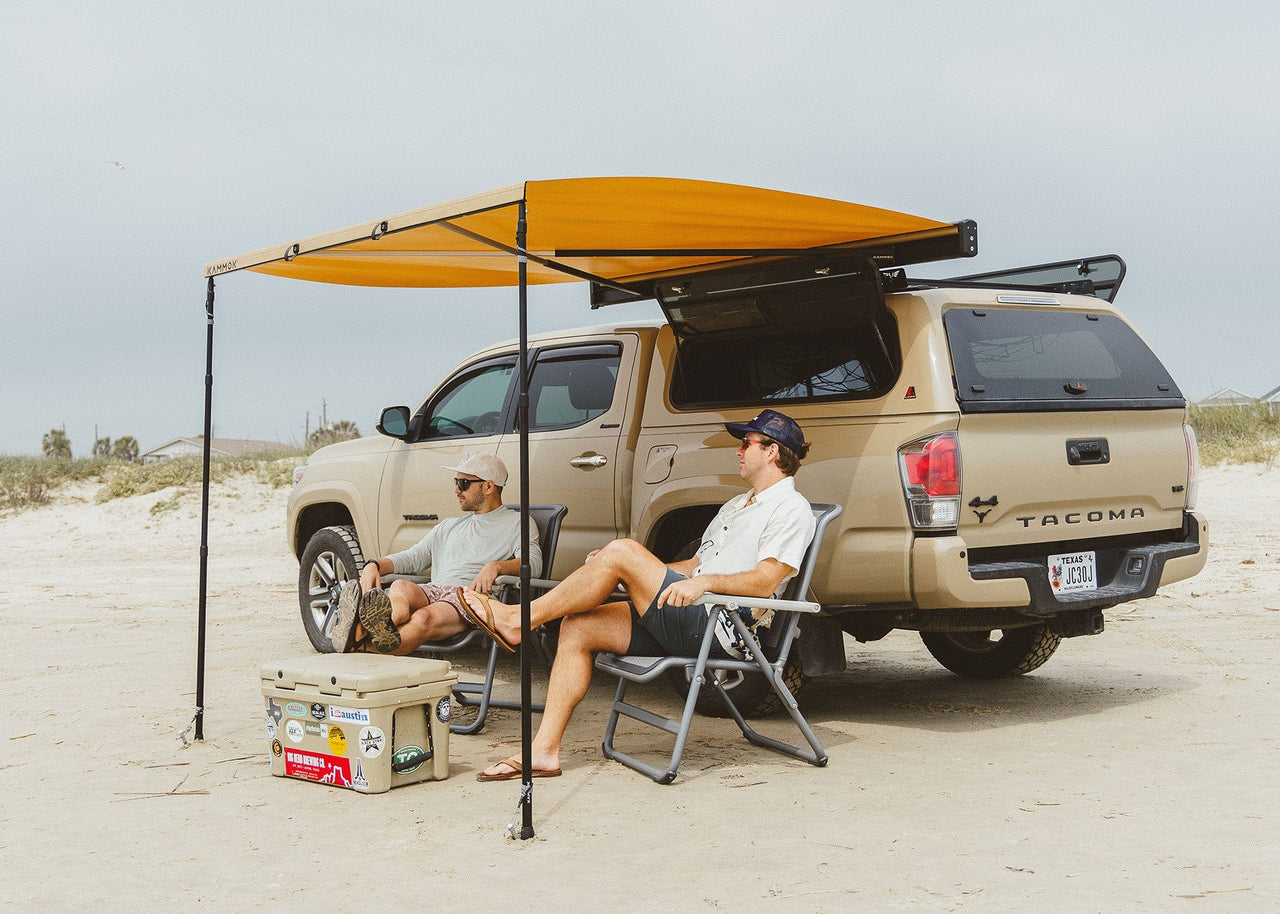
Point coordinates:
[(375, 616), (342, 637), (484, 624), (516, 771)]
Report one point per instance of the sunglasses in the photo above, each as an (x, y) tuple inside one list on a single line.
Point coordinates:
[(463, 484)]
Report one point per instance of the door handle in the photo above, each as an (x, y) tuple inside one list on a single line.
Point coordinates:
[(597, 460)]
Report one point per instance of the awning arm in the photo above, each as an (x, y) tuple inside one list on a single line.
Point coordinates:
[(542, 261)]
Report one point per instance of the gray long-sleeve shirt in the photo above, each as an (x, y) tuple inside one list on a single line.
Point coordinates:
[(456, 549)]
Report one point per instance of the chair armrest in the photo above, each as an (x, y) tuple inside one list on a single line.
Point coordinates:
[(795, 606), (412, 578)]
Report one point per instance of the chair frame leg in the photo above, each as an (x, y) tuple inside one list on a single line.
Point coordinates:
[(816, 755), (464, 691)]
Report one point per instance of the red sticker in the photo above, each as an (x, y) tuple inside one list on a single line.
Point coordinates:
[(911, 393), (315, 766)]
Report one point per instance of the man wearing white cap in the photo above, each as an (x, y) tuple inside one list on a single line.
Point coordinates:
[(468, 551)]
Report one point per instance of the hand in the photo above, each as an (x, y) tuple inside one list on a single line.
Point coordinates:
[(370, 578), (483, 582), (682, 593)]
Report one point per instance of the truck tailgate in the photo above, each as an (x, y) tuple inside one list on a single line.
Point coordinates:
[(1054, 476)]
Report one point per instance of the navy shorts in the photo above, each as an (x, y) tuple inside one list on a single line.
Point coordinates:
[(670, 630)]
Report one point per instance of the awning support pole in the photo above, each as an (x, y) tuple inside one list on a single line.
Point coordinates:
[(204, 510), (526, 648)]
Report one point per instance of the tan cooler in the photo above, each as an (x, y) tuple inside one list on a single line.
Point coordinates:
[(361, 721)]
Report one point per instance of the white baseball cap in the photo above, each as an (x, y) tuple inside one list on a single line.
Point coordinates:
[(485, 466)]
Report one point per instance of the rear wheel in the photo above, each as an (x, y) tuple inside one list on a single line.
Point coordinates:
[(994, 654), (332, 558), (750, 692)]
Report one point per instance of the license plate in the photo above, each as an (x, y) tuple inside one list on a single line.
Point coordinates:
[(1071, 572)]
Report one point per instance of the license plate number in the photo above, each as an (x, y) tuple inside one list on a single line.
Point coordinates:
[(1072, 572)]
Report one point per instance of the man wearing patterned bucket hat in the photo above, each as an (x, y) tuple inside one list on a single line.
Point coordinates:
[(752, 547), (467, 551)]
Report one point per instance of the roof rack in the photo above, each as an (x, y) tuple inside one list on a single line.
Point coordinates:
[(1097, 276)]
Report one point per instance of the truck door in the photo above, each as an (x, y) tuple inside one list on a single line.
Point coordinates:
[(467, 413), (577, 408)]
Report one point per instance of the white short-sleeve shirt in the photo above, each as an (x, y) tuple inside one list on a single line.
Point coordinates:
[(776, 523)]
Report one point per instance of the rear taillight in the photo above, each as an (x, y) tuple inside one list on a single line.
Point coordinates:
[(1193, 466), (930, 470)]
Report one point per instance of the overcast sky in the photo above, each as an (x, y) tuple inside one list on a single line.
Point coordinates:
[(143, 140)]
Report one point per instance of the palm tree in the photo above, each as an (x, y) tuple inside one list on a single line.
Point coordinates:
[(125, 448), (57, 445), (102, 447), (342, 430)]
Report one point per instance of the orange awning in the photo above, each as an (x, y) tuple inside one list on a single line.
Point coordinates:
[(616, 230)]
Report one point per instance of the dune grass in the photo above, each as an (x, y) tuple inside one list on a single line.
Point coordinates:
[(29, 482), (1237, 434)]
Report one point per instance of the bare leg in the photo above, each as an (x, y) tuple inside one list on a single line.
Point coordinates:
[(433, 622), (621, 562), (603, 628), (406, 597)]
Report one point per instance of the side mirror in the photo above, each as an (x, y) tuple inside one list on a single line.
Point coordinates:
[(394, 422)]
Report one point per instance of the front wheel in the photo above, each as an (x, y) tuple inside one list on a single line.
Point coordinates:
[(332, 558), (994, 654)]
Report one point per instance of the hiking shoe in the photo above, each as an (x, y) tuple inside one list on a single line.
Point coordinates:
[(343, 634), (375, 616)]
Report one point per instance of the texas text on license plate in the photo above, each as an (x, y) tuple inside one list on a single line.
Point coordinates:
[(1073, 571)]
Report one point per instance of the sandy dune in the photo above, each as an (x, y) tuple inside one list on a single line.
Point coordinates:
[(1137, 770)]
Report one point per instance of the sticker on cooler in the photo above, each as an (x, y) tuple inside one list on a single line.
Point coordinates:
[(1072, 572), (316, 766), (348, 715)]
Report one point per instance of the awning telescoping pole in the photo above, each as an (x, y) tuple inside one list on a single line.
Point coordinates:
[(522, 417), (204, 510)]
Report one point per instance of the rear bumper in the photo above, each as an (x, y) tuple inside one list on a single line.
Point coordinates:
[(946, 578)]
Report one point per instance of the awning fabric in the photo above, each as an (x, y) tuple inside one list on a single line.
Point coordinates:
[(616, 229)]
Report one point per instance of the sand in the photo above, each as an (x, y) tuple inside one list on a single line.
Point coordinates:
[(1137, 770)]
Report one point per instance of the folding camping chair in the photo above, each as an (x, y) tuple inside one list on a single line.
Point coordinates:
[(767, 655), (547, 518)]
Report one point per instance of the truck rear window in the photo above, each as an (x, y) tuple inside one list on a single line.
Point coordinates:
[(1008, 360), (751, 369)]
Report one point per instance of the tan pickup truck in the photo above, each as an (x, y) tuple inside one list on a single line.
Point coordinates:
[(1011, 457)]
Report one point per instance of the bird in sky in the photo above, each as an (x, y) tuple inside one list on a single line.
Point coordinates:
[(117, 164)]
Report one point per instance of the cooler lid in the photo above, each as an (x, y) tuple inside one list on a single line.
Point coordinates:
[(334, 673)]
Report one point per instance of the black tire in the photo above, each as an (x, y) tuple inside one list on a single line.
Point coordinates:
[(332, 557), (750, 692), (994, 654)]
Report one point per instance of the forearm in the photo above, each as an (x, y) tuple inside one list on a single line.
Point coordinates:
[(753, 583), (507, 566)]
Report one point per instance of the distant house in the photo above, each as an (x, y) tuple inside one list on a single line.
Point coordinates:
[(1228, 396), (218, 447), (1272, 399)]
